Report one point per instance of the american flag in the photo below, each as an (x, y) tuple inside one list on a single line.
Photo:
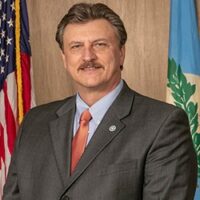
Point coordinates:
[(16, 93)]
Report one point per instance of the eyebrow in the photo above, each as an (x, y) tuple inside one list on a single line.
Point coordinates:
[(101, 39), (97, 40), (74, 42)]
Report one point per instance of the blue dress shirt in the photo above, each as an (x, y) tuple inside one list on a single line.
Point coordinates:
[(97, 110)]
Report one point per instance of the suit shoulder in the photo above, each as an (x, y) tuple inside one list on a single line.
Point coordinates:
[(48, 109), (143, 106), (154, 105), (143, 102)]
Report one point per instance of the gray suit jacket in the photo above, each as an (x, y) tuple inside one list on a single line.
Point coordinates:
[(149, 156)]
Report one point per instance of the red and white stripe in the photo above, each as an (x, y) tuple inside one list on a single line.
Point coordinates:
[(8, 124)]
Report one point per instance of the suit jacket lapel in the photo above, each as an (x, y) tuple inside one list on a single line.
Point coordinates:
[(61, 131), (109, 128)]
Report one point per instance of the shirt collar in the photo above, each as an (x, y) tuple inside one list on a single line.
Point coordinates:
[(98, 109)]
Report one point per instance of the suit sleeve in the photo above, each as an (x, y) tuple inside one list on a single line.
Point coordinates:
[(171, 166), (11, 188)]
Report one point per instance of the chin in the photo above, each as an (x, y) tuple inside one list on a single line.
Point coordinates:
[(90, 85)]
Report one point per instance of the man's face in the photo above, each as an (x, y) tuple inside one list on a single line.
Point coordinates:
[(92, 55)]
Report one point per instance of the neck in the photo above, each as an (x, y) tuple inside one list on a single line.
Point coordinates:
[(91, 95)]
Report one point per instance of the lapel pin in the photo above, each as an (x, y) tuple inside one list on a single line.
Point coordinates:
[(112, 128)]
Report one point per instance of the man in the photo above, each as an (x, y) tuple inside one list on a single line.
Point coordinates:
[(136, 147)]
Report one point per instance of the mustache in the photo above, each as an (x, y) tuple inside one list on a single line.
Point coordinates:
[(90, 64)]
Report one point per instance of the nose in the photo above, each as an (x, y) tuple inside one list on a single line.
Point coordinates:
[(89, 54)]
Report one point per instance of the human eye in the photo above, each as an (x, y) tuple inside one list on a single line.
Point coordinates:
[(75, 47), (100, 45)]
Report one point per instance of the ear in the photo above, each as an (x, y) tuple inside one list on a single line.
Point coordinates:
[(64, 59), (122, 55)]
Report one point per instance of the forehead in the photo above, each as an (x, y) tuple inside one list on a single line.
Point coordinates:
[(94, 29)]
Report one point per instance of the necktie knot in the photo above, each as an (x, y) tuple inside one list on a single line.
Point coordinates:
[(85, 116)]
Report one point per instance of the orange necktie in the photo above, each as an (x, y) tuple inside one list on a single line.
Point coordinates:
[(80, 139)]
